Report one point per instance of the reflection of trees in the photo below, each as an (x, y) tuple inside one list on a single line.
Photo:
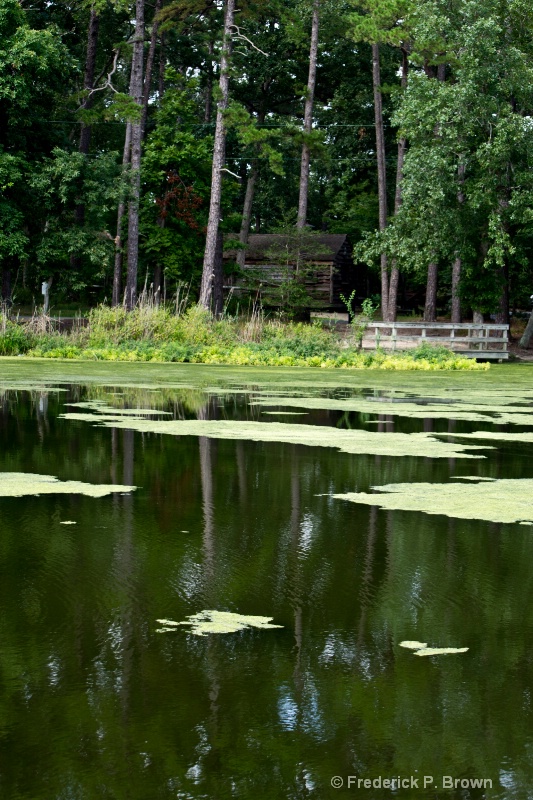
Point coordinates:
[(206, 447), (137, 711)]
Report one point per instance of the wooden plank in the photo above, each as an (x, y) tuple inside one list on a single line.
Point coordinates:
[(446, 339), (465, 326)]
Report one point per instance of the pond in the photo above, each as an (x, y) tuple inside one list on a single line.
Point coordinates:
[(182, 489)]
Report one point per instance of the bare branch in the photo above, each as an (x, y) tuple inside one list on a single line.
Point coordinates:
[(225, 169), (239, 35), (108, 84)]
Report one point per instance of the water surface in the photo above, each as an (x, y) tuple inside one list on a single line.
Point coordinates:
[(94, 703)]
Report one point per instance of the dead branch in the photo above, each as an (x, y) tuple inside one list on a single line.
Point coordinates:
[(239, 35)]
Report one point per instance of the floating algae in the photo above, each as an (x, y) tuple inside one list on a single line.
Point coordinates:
[(20, 484), (421, 649), (101, 407), (68, 522), (505, 500), (500, 436), (434, 408), (348, 441), (286, 413), (217, 622), (440, 651)]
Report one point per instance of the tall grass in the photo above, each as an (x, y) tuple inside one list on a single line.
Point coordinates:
[(172, 332)]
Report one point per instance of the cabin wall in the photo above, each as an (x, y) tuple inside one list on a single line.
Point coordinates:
[(324, 282)]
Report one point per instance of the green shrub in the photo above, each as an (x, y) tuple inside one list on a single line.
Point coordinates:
[(150, 333), (14, 339)]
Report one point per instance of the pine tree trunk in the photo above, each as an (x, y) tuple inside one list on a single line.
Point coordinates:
[(208, 109), (478, 318), (247, 213), (392, 303), (528, 333), (218, 287), (308, 119), (456, 300), (150, 66), (136, 94), (158, 274), (88, 80), (209, 277), (502, 314), (85, 133), (162, 61), (430, 310), (6, 289), (457, 264), (248, 203), (117, 272), (382, 173)]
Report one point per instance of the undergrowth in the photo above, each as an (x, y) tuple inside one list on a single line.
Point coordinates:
[(150, 333)]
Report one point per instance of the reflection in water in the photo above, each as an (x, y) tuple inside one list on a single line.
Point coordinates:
[(94, 703)]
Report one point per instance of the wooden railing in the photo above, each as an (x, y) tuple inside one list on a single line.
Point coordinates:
[(467, 338)]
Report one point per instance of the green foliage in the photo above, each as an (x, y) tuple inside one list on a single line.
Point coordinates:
[(14, 339), (359, 323), (176, 175), (287, 282), (157, 334)]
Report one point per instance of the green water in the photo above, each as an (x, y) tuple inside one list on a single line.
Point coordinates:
[(94, 703)]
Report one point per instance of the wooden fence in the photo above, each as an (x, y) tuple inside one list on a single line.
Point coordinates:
[(467, 338)]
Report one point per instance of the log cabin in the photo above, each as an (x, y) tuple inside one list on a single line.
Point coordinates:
[(322, 263)]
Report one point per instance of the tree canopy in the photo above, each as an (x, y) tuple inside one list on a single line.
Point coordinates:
[(113, 104)]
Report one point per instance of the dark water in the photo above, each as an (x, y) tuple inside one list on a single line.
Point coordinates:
[(95, 704)]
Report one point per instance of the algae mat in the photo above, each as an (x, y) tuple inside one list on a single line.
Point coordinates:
[(506, 500), (469, 408), (20, 484), (357, 442), (42, 371)]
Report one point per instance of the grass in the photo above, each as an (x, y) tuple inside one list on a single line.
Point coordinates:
[(158, 334)]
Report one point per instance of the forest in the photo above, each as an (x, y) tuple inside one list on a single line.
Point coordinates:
[(134, 136)]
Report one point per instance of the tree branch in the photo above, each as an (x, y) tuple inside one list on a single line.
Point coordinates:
[(225, 169), (239, 35)]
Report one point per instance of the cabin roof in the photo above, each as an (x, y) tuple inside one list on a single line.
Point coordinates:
[(323, 247)]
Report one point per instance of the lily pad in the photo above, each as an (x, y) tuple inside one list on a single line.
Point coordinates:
[(348, 441), (218, 622), (413, 645), (440, 651), (505, 500), (20, 484)]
